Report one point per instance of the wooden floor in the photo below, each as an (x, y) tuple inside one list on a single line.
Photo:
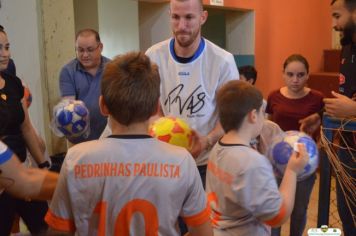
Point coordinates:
[(334, 221)]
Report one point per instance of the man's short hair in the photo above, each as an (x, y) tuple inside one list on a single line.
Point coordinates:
[(86, 32), (249, 72), (332, 2), (199, 1), (349, 4), (130, 88), (235, 100)]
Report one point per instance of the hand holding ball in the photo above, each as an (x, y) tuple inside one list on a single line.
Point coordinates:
[(71, 119), (172, 130), (283, 147)]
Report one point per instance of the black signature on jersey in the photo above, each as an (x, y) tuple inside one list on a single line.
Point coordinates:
[(193, 103)]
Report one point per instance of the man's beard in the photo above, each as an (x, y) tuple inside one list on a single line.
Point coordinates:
[(348, 34), (189, 42)]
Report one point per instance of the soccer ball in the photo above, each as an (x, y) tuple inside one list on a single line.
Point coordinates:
[(172, 130), (72, 119), (282, 148)]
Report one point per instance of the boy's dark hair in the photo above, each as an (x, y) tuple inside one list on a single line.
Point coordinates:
[(298, 58), (235, 100), (131, 88), (4, 116), (249, 72), (85, 32)]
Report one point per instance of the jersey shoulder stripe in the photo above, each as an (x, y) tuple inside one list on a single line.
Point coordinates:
[(5, 153), (199, 218), (59, 223)]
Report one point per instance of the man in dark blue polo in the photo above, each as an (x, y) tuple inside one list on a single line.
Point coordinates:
[(80, 79)]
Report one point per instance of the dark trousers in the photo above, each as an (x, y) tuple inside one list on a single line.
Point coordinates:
[(347, 213), (298, 218), (32, 213)]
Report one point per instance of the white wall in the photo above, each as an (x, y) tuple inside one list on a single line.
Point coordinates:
[(20, 20), (86, 14), (154, 23), (240, 32), (118, 26)]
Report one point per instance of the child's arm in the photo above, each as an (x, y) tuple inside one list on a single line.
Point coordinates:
[(27, 183), (201, 143), (201, 230), (296, 163)]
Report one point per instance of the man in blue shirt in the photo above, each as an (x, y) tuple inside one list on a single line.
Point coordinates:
[(80, 79)]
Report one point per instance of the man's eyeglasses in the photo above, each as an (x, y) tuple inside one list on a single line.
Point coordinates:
[(89, 50)]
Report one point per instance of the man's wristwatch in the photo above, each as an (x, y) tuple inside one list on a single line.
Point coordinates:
[(44, 164)]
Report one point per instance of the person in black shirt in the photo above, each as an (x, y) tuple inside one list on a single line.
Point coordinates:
[(343, 105), (18, 135), (16, 179)]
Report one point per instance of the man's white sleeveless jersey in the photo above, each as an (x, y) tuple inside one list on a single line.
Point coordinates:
[(127, 185), (188, 90), (242, 191)]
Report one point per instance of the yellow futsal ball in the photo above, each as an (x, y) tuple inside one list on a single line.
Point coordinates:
[(172, 130)]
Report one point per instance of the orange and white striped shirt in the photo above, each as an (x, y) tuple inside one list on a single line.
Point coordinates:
[(127, 185)]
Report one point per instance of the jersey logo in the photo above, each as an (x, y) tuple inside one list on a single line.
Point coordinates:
[(341, 79), (183, 73), (193, 103), (3, 96)]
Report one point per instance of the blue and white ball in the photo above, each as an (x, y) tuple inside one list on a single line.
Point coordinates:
[(282, 148), (72, 119)]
